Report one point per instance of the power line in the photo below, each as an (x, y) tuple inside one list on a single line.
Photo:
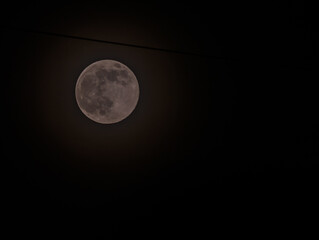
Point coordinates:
[(218, 58)]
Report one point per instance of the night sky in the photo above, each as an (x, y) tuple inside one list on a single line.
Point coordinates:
[(224, 138)]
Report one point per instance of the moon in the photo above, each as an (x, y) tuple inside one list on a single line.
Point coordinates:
[(107, 91)]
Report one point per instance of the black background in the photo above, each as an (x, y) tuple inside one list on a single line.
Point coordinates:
[(224, 137)]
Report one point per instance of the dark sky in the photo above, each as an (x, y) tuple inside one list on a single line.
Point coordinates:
[(224, 136)]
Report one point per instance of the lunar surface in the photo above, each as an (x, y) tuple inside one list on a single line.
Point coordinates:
[(107, 91)]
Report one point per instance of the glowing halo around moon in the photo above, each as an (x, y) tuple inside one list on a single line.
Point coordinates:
[(107, 91)]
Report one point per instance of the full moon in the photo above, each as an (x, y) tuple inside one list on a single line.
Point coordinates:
[(107, 91)]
